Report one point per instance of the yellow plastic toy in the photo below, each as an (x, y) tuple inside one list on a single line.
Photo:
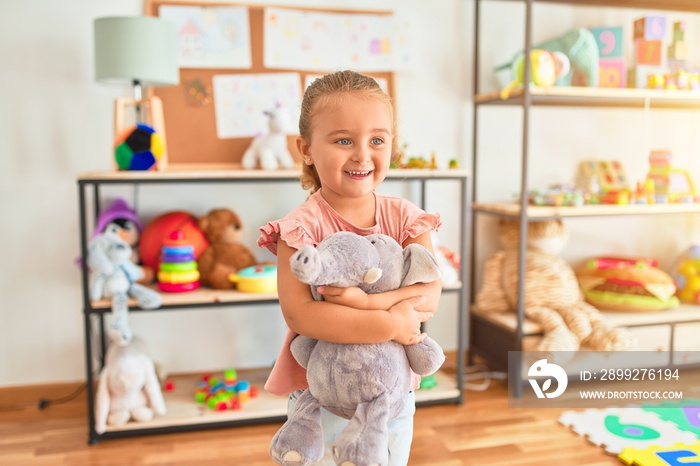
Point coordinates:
[(256, 279), (686, 274), (672, 185)]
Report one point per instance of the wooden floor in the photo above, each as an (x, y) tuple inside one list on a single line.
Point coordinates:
[(483, 431)]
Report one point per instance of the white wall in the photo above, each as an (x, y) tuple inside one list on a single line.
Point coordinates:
[(55, 122)]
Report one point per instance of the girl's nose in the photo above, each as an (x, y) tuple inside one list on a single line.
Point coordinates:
[(362, 154)]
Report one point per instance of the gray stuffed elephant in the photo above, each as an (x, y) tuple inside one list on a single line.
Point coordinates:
[(366, 383)]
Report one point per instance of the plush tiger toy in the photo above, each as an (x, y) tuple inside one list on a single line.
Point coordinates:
[(552, 295)]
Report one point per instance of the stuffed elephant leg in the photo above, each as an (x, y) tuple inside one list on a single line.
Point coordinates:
[(299, 441), (364, 441), (147, 298), (426, 357), (118, 330)]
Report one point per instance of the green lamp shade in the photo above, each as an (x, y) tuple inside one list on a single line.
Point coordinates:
[(136, 48)]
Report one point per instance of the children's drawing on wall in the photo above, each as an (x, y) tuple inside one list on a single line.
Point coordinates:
[(210, 37), (383, 83), (240, 101), (325, 41)]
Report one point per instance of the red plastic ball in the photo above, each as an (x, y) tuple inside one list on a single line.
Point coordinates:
[(158, 230)]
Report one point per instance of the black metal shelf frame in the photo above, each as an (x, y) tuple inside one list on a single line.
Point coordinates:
[(92, 183), (486, 339)]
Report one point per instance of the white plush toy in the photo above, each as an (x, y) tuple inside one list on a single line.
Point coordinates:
[(114, 276), (271, 149), (128, 388)]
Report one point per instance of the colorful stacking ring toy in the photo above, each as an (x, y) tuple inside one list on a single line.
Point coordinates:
[(177, 271)]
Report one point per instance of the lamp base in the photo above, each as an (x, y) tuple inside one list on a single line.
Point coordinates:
[(151, 111)]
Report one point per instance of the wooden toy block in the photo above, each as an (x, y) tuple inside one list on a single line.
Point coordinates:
[(648, 52), (638, 76), (609, 174), (679, 50), (612, 72), (650, 28), (679, 31), (609, 40), (661, 456)]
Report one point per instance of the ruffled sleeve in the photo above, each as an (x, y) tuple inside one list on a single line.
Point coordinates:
[(289, 230), (424, 222)]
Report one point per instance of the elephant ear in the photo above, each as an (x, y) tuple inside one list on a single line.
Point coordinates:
[(419, 265)]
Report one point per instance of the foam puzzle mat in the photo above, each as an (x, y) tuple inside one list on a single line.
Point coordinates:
[(685, 414), (675, 455), (615, 429)]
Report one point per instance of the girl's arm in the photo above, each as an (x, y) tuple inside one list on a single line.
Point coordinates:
[(336, 323), (357, 298)]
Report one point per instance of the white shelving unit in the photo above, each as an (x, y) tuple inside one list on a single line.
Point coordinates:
[(183, 412), (491, 336)]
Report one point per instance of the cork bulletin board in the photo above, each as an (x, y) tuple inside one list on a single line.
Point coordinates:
[(191, 128)]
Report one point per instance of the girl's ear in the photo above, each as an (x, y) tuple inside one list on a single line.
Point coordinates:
[(303, 148)]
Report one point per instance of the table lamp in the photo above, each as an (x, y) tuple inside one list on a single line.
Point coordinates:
[(141, 51)]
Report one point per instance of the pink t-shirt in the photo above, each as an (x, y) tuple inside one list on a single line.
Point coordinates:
[(309, 224)]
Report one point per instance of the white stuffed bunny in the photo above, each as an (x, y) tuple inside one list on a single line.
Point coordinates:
[(128, 388), (271, 149)]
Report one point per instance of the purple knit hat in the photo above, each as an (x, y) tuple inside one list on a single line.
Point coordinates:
[(118, 209)]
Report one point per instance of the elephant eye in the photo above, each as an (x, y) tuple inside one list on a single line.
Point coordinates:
[(306, 259), (373, 242)]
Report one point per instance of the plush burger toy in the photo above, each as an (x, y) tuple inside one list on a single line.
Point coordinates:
[(622, 284)]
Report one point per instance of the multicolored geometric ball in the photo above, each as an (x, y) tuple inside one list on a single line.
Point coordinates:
[(138, 148)]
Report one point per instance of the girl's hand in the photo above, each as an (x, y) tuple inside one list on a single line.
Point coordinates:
[(351, 296), (406, 321)]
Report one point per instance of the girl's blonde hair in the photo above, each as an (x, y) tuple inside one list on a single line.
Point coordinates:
[(317, 96)]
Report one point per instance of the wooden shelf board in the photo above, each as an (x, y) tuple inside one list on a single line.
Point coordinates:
[(183, 410), (200, 296), (667, 5), (596, 96), (686, 313), (204, 296), (512, 209), (182, 172)]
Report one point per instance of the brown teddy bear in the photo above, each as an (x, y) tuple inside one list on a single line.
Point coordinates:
[(552, 294), (225, 254)]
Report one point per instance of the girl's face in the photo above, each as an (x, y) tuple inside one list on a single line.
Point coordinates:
[(350, 145)]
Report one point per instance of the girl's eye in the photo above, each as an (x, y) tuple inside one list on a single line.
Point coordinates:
[(343, 142), (377, 141)]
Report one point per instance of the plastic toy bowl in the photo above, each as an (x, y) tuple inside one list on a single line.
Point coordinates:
[(256, 279)]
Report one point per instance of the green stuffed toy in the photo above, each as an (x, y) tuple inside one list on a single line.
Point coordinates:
[(579, 45)]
